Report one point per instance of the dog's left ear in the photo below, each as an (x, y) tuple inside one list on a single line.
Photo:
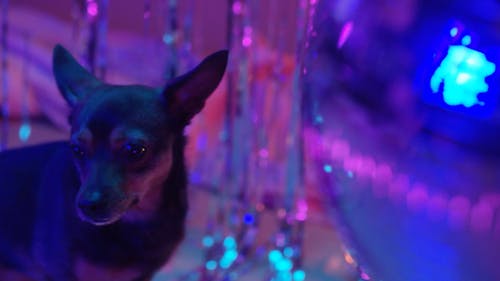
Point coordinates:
[(186, 94)]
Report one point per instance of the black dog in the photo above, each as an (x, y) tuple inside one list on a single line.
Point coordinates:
[(110, 204)]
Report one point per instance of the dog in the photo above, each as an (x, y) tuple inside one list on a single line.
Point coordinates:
[(109, 204)]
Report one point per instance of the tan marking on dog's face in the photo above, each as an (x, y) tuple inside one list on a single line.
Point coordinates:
[(148, 187)]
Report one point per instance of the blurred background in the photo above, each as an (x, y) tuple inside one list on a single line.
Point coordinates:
[(349, 140)]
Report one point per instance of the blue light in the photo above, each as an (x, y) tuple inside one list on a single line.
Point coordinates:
[(288, 252), (299, 275), (229, 243), (228, 258), (168, 38), (454, 32), (284, 265), (284, 276), (274, 256), (211, 265), (327, 168), (208, 241), (463, 72), (24, 132), (466, 40), (248, 219)]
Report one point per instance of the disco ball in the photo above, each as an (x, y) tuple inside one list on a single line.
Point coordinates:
[(402, 130)]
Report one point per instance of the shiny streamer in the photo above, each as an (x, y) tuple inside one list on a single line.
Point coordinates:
[(24, 131), (92, 32), (4, 67), (170, 38)]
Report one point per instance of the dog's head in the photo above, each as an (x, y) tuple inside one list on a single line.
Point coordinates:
[(122, 136)]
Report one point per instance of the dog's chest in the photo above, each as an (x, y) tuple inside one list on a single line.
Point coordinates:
[(87, 271), (128, 245)]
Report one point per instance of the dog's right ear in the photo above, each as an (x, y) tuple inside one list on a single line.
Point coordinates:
[(72, 79), (186, 94)]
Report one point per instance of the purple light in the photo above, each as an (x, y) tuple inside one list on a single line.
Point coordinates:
[(237, 8), (345, 33)]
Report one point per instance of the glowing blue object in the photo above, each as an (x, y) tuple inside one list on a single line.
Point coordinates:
[(454, 32), (288, 252), (228, 258), (248, 219), (274, 256), (299, 275), (168, 38), (211, 265), (24, 132), (284, 265), (284, 276), (327, 168), (229, 243), (466, 40), (463, 72), (208, 241), (350, 174)]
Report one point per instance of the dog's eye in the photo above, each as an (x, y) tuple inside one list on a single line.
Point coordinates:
[(78, 151), (134, 152)]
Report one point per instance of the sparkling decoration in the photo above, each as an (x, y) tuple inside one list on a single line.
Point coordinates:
[(463, 72), (170, 38), (90, 32), (24, 132)]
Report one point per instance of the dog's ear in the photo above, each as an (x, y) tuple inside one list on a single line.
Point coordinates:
[(72, 79), (186, 94)]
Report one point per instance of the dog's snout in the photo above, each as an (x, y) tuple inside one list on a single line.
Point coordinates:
[(93, 204)]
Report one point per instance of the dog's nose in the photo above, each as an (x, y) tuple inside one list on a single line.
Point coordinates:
[(93, 205)]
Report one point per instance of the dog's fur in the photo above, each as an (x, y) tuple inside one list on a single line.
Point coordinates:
[(110, 204)]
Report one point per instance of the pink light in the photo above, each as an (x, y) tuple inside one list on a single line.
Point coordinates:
[(247, 41), (340, 150), (417, 198), (381, 176), (345, 33), (364, 276), (398, 188), (247, 36), (92, 9), (237, 8), (481, 217), (263, 153), (436, 208), (458, 212), (302, 208), (366, 167)]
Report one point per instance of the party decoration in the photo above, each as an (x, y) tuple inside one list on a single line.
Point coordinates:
[(463, 72), (24, 131)]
